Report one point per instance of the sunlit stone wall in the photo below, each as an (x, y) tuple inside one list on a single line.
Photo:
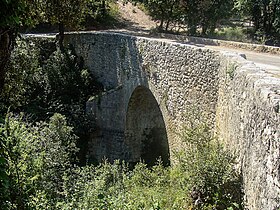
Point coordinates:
[(239, 101)]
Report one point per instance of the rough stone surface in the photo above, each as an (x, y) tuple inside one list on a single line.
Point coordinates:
[(170, 71), (240, 101), (248, 120)]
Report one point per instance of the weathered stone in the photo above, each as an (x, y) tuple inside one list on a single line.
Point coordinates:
[(154, 84)]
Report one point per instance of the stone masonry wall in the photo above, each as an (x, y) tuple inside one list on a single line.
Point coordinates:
[(239, 100), (248, 120), (179, 76)]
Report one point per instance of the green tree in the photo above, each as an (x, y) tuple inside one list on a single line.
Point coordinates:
[(212, 12), (14, 14), (205, 13), (163, 10), (49, 82), (265, 15), (65, 13), (191, 15)]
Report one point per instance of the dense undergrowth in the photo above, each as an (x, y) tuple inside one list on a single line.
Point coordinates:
[(37, 172), (43, 132), (41, 81)]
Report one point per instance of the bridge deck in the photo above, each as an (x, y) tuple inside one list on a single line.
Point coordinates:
[(268, 62)]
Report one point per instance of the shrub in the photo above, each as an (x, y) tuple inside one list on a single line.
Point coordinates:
[(203, 178), (42, 80), (210, 172), (38, 173), (232, 34), (36, 159)]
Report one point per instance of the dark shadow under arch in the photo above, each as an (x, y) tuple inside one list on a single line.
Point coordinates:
[(145, 134)]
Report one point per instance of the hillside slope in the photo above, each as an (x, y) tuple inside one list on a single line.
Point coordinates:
[(134, 18)]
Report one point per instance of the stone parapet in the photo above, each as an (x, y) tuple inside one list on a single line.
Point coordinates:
[(223, 43), (248, 121)]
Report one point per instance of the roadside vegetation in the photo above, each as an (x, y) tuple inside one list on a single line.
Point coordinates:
[(242, 20), (38, 171)]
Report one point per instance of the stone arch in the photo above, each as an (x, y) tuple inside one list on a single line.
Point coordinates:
[(145, 131)]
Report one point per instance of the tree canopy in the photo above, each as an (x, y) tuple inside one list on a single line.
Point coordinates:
[(17, 13), (265, 15), (65, 13), (207, 14), (13, 14)]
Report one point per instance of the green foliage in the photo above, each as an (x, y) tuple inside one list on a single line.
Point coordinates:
[(68, 14), (38, 173), (101, 14), (50, 81), (231, 70), (165, 11), (205, 14), (97, 8), (203, 178), (265, 16), (113, 186), (210, 170), (36, 159), (24, 59), (232, 34), (15, 13)]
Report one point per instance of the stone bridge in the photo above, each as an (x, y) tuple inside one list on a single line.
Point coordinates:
[(152, 89)]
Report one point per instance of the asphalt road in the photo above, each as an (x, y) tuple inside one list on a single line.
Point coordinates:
[(267, 62)]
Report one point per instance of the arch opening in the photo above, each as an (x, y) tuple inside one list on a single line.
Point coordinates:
[(145, 134)]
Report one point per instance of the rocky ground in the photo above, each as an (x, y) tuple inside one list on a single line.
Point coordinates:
[(135, 19)]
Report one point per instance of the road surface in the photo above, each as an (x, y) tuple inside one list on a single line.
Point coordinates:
[(268, 62)]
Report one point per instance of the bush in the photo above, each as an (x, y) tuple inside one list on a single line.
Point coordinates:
[(210, 172), (203, 178), (36, 159), (38, 173), (232, 34), (42, 80)]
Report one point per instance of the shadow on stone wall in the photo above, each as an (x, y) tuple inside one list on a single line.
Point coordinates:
[(145, 132)]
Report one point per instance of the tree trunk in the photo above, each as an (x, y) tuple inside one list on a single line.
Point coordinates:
[(161, 24), (161, 19), (204, 28), (272, 18), (169, 17), (256, 16), (265, 19), (61, 36), (167, 24), (103, 8), (5, 44), (192, 25)]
